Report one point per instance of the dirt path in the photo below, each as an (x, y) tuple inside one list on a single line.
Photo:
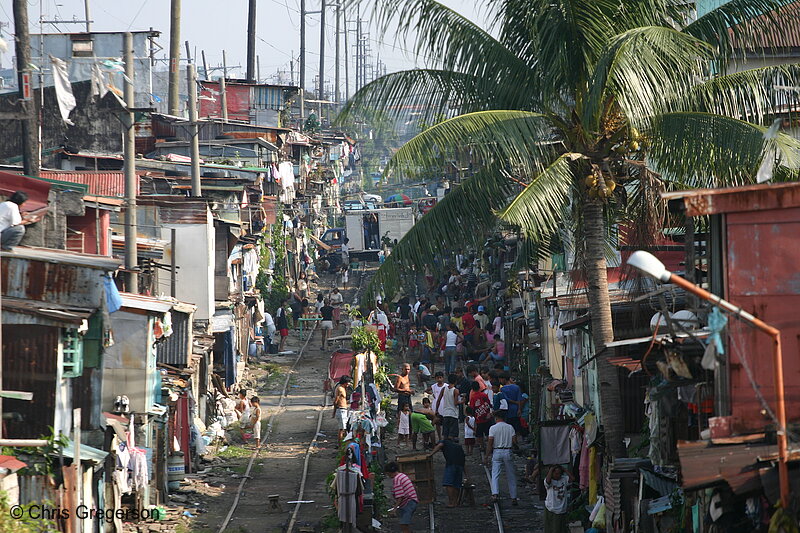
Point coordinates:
[(278, 468)]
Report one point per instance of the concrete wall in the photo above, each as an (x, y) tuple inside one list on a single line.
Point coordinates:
[(106, 46), (95, 130), (51, 232), (195, 257)]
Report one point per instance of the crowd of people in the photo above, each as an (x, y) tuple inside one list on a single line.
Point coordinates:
[(454, 388)]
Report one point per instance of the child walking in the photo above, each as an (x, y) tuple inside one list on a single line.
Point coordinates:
[(469, 429), (404, 425)]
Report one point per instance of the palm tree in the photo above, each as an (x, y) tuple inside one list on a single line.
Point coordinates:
[(576, 113)]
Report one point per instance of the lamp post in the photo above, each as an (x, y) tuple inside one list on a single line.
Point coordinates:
[(648, 264)]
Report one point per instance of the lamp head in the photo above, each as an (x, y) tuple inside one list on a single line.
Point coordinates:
[(647, 263)]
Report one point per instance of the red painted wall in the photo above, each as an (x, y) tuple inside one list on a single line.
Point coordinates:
[(763, 276), (237, 96), (86, 224)]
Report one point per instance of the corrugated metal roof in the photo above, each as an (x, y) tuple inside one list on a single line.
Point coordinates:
[(50, 255), (738, 199), (89, 454), (145, 303), (178, 209), (577, 301), (11, 463), (102, 183), (52, 312), (37, 190), (704, 465)]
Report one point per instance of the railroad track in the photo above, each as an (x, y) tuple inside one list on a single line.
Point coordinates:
[(294, 519), (498, 515), (266, 437)]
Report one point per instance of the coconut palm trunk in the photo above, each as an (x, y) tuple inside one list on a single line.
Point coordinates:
[(602, 327)]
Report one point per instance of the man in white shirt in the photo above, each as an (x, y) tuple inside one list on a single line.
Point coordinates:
[(435, 390), (12, 223), (269, 328), (501, 438)]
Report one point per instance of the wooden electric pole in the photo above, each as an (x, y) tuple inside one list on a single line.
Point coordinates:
[(174, 57), (30, 122), (251, 42)]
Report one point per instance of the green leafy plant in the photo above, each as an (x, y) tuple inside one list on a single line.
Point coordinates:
[(274, 287), (366, 340), (24, 524), (379, 500), (41, 460)]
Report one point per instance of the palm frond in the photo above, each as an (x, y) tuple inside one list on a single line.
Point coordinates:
[(641, 70), (433, 93), (530, 252), (754, 95), (462, 219), (740, 25), (539, 208), (518, 139), (708, 150), (568, 36), (445, 38)]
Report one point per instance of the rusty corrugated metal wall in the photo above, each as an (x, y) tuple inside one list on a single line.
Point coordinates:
[(763, 277), (30, 363), (176, 348)]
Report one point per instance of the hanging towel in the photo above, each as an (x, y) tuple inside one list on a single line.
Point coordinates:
[(66, 100), (555, 446)]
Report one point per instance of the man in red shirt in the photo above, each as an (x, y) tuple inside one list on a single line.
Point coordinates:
[(482, 407)]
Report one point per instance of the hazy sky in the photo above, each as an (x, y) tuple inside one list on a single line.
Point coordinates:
[(214, 25)]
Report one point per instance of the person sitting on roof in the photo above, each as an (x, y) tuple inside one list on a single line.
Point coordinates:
[(12, 223)]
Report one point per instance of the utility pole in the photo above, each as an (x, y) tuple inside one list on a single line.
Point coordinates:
[(87, 16), (321, 94), (223, 95), (174, 56), (251, 42), (346, 60), (30, 124), (131, 258), (302, 60), (359, 57), (191, 80), (336, 93), (258, 69), (205, 65)]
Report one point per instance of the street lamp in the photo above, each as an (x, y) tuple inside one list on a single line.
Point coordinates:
[(650, 265)]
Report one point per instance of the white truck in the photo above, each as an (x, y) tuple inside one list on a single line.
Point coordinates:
[(366, 230)]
